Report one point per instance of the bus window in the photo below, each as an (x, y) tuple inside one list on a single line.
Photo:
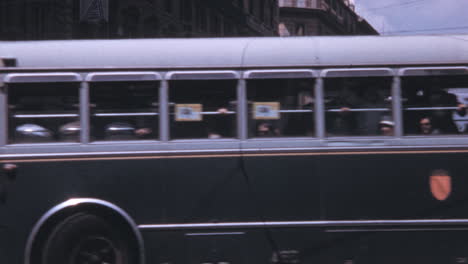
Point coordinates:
[(434, 105), (43, 112), (280, 107), (202, 109), (124, 110), (358, 106)]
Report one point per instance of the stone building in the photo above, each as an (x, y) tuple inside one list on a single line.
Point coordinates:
[(84, 19), (321, 17)]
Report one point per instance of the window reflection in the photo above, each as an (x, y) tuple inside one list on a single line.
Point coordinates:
[(43, 112), (124, 110)]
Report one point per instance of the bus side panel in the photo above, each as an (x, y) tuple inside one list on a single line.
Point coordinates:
[(151, 191), (133, 185), (386, 187), (395, 186), (285, 188), (206, 190), (3, 245), (281, 188), (396, 246)]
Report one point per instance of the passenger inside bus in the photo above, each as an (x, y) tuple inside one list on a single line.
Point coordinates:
[(267, 129), (341, 122), (355, 106), (442, 119), (281, 107), (426, 128), (429, 97), (202, 109), (386, 128)]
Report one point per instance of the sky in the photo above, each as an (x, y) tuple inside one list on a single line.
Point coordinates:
[(403, 17)]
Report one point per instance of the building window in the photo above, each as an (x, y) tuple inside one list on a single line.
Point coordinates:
[(168, 6), (215, 24), (186, 10), (203, 18), (283, 30), (251, 6), (272, 14), (39, 19), (300, 29), (131, 21), (262, 11)]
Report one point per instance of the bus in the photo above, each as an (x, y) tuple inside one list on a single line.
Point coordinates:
[(239, 150)]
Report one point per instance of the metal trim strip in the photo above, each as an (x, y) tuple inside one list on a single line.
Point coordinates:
[(280, 74), (224, 153), (413, 71), (356, 72), (122, 76), (42, 77), (346, 223), (202, 75)]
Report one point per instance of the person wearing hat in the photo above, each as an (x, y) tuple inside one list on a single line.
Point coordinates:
[(386, 127)]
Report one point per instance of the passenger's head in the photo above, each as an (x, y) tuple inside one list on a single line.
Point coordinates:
[(265, 129), (425, 125), (386, 127)]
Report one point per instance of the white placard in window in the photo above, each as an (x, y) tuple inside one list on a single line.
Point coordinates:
[(188, 112), (266, 110)]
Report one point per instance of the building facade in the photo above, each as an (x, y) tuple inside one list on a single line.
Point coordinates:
[(84, 19), (321, 17)]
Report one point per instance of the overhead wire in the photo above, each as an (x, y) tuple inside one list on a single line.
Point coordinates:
[(407, 4), (404, 4), (426, 30)]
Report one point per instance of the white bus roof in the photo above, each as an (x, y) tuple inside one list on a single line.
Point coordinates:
[(239, 52)]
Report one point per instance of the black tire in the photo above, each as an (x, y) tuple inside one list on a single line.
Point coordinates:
[(87, 239)]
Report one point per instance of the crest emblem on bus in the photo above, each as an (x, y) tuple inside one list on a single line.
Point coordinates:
[(441, 184)]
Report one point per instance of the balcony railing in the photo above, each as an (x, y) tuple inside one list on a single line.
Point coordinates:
[(298, 3), (311, 4)]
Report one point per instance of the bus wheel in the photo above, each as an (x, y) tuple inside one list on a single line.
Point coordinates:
[(86, 238)]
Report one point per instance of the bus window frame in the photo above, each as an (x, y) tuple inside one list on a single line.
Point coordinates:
[(363, 73), (432, 71), (3, 107), (282, 74), (356, 72), (207, 76), (53, 77), (201, 75), (43, 77), (119, 76), (428, 72)]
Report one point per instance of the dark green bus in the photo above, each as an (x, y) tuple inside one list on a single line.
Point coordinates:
[(343, 150)]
